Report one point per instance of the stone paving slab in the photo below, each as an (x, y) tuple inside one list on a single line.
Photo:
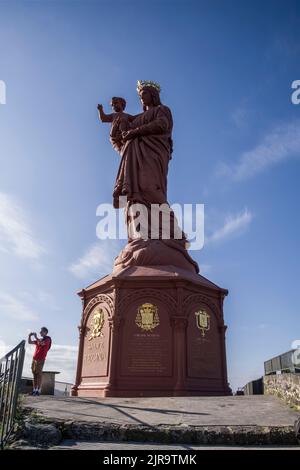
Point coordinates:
[(247, 420), (70, 444), (257, 410)]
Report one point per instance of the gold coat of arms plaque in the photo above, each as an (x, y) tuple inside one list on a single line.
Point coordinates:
[(97, 324), (202, 321), (147, 317)]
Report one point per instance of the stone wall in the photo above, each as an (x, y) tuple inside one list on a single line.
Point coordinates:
[(284, 386)]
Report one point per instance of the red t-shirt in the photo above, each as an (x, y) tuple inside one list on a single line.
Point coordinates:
[(42, 346)]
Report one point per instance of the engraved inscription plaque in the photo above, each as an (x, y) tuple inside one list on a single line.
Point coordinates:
[(203, 352), (147, 353)]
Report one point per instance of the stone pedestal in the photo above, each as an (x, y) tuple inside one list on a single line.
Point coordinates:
[(152, 331), (48, 382)]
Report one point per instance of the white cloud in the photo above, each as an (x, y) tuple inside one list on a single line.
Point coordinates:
[(15, 233), (61, 358), (240, 117), (282, 143), (97, 260), (234, 225), (45, 298), (205, 269), (41, 297), (3, 348), (13, 307)]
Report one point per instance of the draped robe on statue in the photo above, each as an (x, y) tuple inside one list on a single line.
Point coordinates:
[(142, 178), (143, 170)]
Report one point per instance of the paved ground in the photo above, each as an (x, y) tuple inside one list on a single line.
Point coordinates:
[(256, 410), (70, 444), (172, 423)]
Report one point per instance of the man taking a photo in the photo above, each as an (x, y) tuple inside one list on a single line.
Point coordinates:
[(42, 346)]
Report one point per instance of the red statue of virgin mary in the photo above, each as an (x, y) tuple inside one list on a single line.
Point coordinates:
[(146, 148)]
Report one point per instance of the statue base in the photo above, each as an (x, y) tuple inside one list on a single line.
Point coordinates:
[(152, 331)]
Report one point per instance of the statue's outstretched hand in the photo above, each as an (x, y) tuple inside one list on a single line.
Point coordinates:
[(100, 107)]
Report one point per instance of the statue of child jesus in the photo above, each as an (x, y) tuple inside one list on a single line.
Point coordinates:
[(120, 120)]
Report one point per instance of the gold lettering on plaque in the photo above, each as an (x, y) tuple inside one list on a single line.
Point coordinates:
[(96, 352), (147, 317), (97, 324), (202, 321)]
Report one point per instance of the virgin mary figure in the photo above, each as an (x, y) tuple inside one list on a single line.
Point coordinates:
[(146, 149)]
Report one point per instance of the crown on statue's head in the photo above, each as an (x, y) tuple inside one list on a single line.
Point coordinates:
[(147, 83)]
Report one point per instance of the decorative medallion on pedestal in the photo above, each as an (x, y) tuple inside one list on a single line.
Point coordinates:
[(202, 321), (147, 317), (97, 323)]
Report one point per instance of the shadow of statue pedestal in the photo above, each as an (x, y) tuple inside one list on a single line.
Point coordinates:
[(152, 331)]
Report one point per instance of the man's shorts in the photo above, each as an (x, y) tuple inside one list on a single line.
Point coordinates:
[(37, 366)]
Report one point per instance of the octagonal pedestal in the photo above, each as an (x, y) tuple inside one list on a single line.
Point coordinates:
[(175, 345)]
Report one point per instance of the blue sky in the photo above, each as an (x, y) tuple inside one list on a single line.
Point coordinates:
[(226, 70)]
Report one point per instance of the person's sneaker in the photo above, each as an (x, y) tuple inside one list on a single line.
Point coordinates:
[(37, 393), (34, 393)]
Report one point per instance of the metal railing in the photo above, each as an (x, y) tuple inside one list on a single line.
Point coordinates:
[(11, 366)]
